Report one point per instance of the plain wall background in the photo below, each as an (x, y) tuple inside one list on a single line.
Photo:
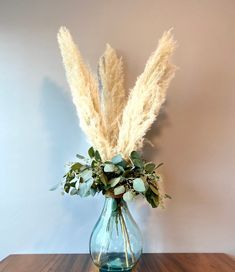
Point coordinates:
[(194, 135)]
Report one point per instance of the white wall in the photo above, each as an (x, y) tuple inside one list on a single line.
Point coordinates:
[(39, 130)]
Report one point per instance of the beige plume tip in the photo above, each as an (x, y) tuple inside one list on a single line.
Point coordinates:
[(109, 49), (108, 46), (169, 37), (63, 32), (63, 29)]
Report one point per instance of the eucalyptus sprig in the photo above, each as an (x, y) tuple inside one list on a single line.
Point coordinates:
[(117, 178)]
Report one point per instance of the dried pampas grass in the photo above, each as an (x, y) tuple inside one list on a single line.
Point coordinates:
[(114, 123), (84, 90), (111, 79), (146, 97)]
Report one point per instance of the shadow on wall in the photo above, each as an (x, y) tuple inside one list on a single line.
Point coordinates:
[(61, 124), (157, 221), (151, 147), (65, 140)]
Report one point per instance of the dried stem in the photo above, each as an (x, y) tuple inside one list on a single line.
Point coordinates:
[(126, 235)]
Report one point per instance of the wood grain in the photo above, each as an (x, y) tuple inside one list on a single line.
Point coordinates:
[(159, 262)]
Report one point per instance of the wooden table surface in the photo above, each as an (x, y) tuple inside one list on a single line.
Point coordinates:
[(159, 262)]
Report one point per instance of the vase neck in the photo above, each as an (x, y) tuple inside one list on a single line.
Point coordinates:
[(112, 205)]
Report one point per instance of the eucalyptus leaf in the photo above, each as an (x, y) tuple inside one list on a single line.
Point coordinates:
[(93, 163), (66, 187), (119, 190), (80, 157), (73, 192), (135, 155), (103, 179), (72, 184), (152, 202), (86, 174), (149, 167), (97, 155), (126, 173), (138, 185), (129, 195), (91, 152), (84, 189), (70, 176), (151, 198), (77, 185), (156, 200), (121, 168), (109, 168), (83, 168), (76, 166), (138, 163), (154, 189), (113, 182), (117, 159)]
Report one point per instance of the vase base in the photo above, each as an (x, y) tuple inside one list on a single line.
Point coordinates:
[(114, 270), (115, 262)]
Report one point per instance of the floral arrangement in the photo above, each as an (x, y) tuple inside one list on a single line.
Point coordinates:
[(116, 178), (116, 122)]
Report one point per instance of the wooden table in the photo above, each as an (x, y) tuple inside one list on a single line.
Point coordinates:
[(159, 262)]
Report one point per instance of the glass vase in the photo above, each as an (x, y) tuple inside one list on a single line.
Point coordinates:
[(116, 241)]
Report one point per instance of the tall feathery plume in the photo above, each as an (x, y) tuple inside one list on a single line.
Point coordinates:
[(147, 96), (111, 79), (85, 93)]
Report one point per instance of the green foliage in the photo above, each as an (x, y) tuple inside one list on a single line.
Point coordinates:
[(136, 159), (110, 168), (91, 152), (119, 190), (129, 195), (152, 198), (138, 185), (135, 155), (117, 159), (114, 181), (149, 167), (116, 178), (97, 156)]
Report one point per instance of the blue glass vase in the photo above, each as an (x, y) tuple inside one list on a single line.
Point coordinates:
[(116, 241)]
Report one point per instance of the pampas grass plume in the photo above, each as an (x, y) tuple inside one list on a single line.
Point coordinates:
[(111, 79), (116, 123), (147, 97), (84, 89)]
